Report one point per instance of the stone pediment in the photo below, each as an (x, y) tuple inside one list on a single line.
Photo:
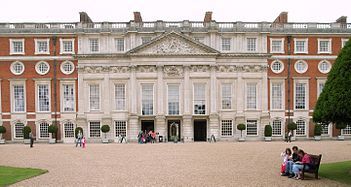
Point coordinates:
[(173, 44)]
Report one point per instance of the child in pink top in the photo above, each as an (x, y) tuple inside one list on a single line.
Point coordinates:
[(83, 141)]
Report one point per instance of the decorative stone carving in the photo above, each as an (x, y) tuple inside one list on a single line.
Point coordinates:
[(119, 69), (241, 68), (146, 69), (200, 68), (172, 45), (173, 71)]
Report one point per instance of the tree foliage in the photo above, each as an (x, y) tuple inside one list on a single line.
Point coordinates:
[(334, 102)]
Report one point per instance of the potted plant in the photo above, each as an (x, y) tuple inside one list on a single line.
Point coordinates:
[(241, 127), (340, 126), (76, 131), (317, 132), (2, 131), (291, 127), (53, 130), (26, 131), (105, 129), (268, 133)]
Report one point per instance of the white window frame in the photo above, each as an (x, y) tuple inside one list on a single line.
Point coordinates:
[(231, 96), (224, 45), (301, 71), (12, 68), (343, 42), (115, 129), (320, 81), (115, 98), (153, 98), (37, 40), (345, 130), (12, 84), (14, 130), (281, 66), (247, 44), (38, 70), (281, 127), (305, 130), (329, 45), (37, 83), (168, 98), (89, 94), (205, 95), (89, 123), (281, 40), (282, 82), (231, 126), (62, 84), (62, 51), (257, 127), (306, 45), (116, 44), (39, 129), (320, 64), (12, 51), (64, 129), (63, 70), (90, 46), (306, 82), (246, 96), (328, 130)]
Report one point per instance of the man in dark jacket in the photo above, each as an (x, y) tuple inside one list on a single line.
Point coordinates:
[(290, 163)]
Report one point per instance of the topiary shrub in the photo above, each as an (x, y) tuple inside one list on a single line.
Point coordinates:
[(2, 130), (77, 130), (268, 131), (26, 131), (53, 129), (105, 129), (292, 126), (317, 129), (340, 126), (241, 127)]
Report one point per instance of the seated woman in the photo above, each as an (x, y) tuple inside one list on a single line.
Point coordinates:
[(298, 166)]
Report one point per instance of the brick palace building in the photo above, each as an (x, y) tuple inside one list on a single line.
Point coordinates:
[(184, 79)]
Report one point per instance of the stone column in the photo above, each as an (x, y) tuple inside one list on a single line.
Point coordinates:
[(188, 132), (187, 91), (133, 128), (133, 91), (161, 125)]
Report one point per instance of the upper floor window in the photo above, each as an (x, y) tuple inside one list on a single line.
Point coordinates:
[(301, 45), (226, 44), (320, 87), (17, 68), (226, 96), (119, 44), (251, 44), (251, 96), (199, 98), (94, 97), (173, 99), (68, 98), (300, 95), (94, 44), (343, 42), (147, 100), (324, 45), (17, 46), (277, 45), (145, 39), (42, 68), (277, 66), (18, 98), (66, 46), (277, 95), (43, 98), (120, 96), (324, 66), (42, 46)]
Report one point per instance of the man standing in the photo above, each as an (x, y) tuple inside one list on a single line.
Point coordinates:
[(31, 138), (79, 138)]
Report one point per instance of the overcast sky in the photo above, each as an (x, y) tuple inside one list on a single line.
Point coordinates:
[(173, 10)]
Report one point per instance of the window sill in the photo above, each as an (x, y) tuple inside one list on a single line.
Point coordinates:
[(41, 53), (17, 53), (296, 52), (43, 112), (322, 52), (67, 53)]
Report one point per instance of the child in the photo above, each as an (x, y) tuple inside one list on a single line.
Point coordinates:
[(286, 157), (83, 141)]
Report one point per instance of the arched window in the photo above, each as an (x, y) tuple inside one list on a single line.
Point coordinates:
[(277, 128), (69, 130), (43, 130), (301, 127)]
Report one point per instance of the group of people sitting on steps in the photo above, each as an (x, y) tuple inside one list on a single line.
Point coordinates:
[(294, 161), (146, 136)]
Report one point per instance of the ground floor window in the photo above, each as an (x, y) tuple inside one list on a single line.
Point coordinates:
[(44, 130), (277, 128), (121, 128), (69, 130), (19, 130), (347, 130), (301, 127), (325, 129), (251, 129), (227, 128), (94, 129)]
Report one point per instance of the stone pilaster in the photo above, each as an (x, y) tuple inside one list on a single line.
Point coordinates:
[(81, 121), (188, 130), (160, 90), (133, 89), (187, 91), (160, 125), (133, 128), (214, 125), (214, 90)]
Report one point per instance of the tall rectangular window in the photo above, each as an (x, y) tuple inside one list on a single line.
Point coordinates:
[(68, 98), (277, 46), (227, 128), (173, 99), (94, 45), (19, 99), (16, 46), (120, 96), (300, 96), (199, 98), (43, 98), (300, 45), (94, 97), (147, 99), (119, 42), (343, 42), (324, 45), (94, 129), (42, 46), (121, 128), (226, 44), (226, 96), (277, 96), (251, 127), (251, 44), (251, 96)]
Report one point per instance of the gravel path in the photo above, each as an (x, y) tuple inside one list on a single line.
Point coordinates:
[(192, 164)]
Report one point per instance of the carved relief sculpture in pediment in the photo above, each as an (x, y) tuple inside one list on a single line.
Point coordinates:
[(173, 71), (146, 69)]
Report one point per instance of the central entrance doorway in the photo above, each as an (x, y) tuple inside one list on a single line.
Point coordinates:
[(147, 125), (173, 127), (200, 129)]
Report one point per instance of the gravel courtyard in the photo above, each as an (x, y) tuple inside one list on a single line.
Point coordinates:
[(167, 164)]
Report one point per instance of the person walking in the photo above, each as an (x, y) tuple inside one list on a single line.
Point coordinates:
[(289, 136), (79, 139), (31, 139)]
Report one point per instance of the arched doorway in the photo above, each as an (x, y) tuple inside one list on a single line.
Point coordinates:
[(173, 130)]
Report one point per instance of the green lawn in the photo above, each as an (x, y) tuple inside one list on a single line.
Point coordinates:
[(11, 175), (339, 171)]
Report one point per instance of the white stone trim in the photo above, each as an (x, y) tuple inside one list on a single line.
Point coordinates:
[(329, 45), (61, 45), (12, 70), (47, 40), (38, 70), (297, 57), (306, 45), (282, 66), (35, 58), (11, 47)]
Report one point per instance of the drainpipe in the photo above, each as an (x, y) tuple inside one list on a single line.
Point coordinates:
[(289, 74), (54, 39)]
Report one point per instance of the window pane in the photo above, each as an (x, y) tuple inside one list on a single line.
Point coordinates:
[(227, 128), (44, 130), (277, 96), (226, 44), (17, 46), (121, 128), (19, 130), (300, 96), (226, 96), (94, 97), (301, 127), (251, 128), (251, 96), (42, 46), (251, 44), (68, 98), (276, 46), (199, 99), (120, 96), (173, 99), (147, 99), (300, 46), (67, 46), (69, 130), (44, 98), (277, 128), (119, 42), (94, 129), (18, 91), (94, 45), (324, 46)]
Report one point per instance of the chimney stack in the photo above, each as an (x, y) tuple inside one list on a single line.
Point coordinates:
[(208, 17), (342, 20), (282, 18), (137, 17), (84, 18)]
